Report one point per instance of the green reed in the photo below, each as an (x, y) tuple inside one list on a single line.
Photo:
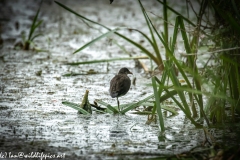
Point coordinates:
[(191, 103), (32, 32)]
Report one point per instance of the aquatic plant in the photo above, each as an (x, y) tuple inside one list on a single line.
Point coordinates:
[(83, 108), (225, 78), (156, 57), (32, 32), (192, 102)]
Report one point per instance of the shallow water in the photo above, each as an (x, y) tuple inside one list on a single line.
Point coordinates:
[(32, 116)]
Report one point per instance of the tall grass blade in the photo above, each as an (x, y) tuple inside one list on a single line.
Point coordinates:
[(158, 105), (144, 50), (78, 15), (165, 25), (37, 35), (177, 13), (154, 43), (134, 105), (95, 40), (106, 60), (180, 93), (34, 25), (194, 68), (120, 35)]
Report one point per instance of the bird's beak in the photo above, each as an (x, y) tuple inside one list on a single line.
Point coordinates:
[(129, 72)]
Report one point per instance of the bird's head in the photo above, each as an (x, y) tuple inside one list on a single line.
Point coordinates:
[(124, 71)]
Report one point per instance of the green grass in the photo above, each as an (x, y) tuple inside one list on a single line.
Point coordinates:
[(189, 97), (76, 107), (32, 32)]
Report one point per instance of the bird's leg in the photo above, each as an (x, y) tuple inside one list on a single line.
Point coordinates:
[(118, 104)]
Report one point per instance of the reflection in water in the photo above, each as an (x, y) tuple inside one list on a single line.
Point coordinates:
[(118, 129)]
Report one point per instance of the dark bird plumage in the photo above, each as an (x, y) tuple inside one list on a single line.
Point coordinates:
[(120, 84)]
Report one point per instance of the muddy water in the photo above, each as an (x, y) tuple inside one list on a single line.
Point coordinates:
[(32, 116)]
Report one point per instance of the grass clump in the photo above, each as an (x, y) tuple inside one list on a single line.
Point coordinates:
[(189, 97), (32, 35)]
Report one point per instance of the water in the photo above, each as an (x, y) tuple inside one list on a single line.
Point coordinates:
[(32, 116)]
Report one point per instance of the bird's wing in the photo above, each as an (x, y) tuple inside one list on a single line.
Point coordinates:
[(119, 85)]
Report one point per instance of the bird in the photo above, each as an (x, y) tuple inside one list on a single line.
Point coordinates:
[(120, 84)]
